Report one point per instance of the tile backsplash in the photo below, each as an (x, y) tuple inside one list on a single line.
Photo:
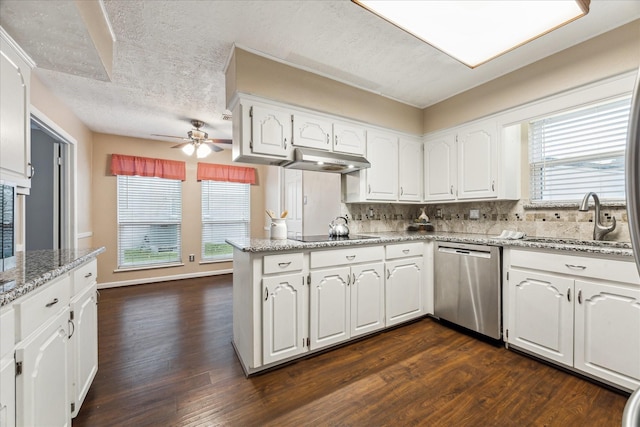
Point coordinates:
[(558, 221)]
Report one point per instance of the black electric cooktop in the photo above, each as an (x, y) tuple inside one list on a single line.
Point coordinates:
[(325, 238)]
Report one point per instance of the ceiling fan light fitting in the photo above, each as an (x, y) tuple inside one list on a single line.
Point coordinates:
[(188, 149), (203, 151)]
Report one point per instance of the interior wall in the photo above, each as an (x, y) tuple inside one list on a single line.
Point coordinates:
[(607, 55), (254, 74), (105, 208), (47, 103)]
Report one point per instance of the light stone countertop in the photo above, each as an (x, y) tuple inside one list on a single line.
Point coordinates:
[(256, 245), (35, 268)]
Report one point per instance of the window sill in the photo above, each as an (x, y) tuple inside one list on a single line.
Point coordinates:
[(215, 261), (570, 205), (147, 267)]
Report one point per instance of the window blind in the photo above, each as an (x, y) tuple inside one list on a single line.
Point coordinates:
[(225, 214), (149, 221), (579, 151)]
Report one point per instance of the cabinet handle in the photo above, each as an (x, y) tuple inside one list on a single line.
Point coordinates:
[(351, 257), (569, 294), (266, 294), (86, 276), (576, 267), (285, 143), (405, 251), (336, 139), (580, 296), (73, 328), (369, 185), (354, 278), (451, 190), (284, 264), (493, 186), (328, 138), (52, 303), (32, 170), (97, 297), (401, 191), (388, 273), (348, 279)]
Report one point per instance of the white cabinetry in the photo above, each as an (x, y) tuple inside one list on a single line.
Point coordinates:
[(576, 311), (473, 162), (312, 131), (349, 138), (404, 284), (410, 177), (347, 294), (382, 176), (7, 368), (15, 143)]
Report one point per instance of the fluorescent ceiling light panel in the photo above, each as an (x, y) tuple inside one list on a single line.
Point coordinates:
[(474, 32)]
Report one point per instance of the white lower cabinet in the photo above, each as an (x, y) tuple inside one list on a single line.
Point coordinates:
[(42, 377), (284, 320), (367, 298), (7, 392), (403, 290), (586, 323), (83, 343)]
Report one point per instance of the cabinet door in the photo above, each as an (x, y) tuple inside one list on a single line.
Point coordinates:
[(440, 168), (607, 332), (7, 393), (541, 314), (329, 305), (367, 298), (403, 290), (14, 117), (382, 176), (477, 161), (283, 317), (410, 161), (349, 138), (83, 345), (270, 131), (41, 389), (311, 131)]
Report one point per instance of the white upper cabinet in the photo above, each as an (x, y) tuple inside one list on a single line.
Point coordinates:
[(270, 130), (312, 131), (382, 177), (410, 161), (15, 142), (440, 171), (473, 162), (477, 160), (349, 138)]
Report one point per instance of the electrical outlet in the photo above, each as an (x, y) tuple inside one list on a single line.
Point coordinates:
[(192, 258), (438, 213), (474, 214)]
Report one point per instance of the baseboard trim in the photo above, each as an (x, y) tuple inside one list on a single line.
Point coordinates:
[(147, 280)]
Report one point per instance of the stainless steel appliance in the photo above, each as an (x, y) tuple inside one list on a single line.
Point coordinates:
[(7, 226), (467, 285), (325, 161), (631, 415)]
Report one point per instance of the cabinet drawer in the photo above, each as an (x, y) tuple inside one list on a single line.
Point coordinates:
[(405, 250), (575, 265), (282, 263), (84, 276), (37, 309), (346, 256), (7, 332)]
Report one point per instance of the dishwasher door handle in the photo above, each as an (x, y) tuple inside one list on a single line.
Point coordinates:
[(465, 252)]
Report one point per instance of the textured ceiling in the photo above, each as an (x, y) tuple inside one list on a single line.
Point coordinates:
[(169, 56)]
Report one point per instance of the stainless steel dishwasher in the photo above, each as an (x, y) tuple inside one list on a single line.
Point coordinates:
[(467, 286)]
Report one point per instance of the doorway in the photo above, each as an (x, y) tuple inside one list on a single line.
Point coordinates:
[(44, 206)]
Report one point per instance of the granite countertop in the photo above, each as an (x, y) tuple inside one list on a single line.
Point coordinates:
[(585, 246), (35, 268)]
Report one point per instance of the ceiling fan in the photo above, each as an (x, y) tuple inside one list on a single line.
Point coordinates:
[(198, 141)]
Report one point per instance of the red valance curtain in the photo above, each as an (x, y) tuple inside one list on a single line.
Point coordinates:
[(146, 166), (213, 172)]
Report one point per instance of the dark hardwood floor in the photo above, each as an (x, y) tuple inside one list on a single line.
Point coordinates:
[(166, 360)]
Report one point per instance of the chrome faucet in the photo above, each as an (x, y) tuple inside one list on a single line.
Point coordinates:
[(599, 230)]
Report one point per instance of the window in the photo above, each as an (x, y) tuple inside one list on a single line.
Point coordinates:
[(149, 220), (578, 151), (225, 214)]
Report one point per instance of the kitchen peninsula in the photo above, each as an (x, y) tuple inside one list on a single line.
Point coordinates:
[(48, 335), (293, 299)]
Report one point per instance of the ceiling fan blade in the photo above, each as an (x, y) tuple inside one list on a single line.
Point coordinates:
[(181, 145), (211, 145), (220, 141), (171, 136)]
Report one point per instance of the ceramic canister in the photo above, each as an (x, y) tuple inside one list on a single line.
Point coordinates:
[(278, 228)]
